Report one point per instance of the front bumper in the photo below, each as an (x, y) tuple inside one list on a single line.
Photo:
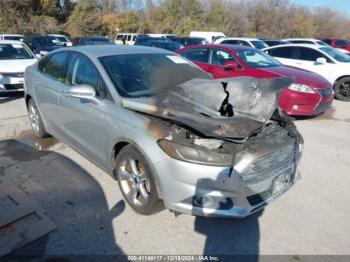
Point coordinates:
[(224, 192), (10, 84), (304, 104)]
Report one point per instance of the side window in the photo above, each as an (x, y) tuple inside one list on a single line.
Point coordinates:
[(327, 41), (245, 43), (339, 43), (220, 57), (55, 66), (308, 54), (200, 55), (120, 37), (283, 52), (82, 71), (134, 38), (229, 42)]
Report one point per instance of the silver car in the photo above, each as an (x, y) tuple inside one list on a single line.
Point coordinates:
[(165, 130)]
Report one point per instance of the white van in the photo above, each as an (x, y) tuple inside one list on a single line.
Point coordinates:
[(14, 37), (126, 38), (210, 36)]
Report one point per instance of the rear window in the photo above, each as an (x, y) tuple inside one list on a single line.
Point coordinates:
[(283, 52)]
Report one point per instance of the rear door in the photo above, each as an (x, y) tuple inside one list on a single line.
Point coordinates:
[(199, 56), (285, 54), (87, 123), (48, 85), (306, 59)]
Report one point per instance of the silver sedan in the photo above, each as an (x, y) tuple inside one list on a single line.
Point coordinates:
[(165, 130)]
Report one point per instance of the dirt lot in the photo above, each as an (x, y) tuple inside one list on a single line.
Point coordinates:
[(92, 218)]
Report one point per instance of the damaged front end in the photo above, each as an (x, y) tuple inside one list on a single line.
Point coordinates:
[(232, 126)]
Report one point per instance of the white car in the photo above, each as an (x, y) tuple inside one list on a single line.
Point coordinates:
[(125, 39), (252, 42), (312, 41), (15, 57), (15, 37), (62, 39), (324, 60)]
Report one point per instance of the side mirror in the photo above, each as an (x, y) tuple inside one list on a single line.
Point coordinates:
[(38, 56), (230, 65), (321, 60), (82, 91)]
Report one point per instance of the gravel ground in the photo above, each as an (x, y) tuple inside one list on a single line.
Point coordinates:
[(92, 218)]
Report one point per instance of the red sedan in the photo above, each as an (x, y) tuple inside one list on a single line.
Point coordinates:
[(310, 94)]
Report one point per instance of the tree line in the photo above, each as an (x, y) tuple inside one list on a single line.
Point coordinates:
[(250, 18)]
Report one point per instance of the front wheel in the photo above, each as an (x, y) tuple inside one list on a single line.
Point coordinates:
[(136, 182), (342, 89), (35, 120)]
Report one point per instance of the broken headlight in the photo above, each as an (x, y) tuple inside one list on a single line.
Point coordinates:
[(301, 88), (194, 154)]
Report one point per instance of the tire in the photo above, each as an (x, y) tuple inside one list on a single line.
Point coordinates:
[(342, 89), (136, 182), (36, 122)]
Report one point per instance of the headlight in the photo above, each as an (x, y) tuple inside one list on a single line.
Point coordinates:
[(1, 76), (301, 88), (194, 154)]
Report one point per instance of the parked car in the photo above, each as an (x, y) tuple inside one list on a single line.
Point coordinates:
[(125, 39), (63, 39), (187, 41), (168, 45), (340, 43), (273, 42), (92, 40), (209, 36), (42, 45), (310, 94), (252, 42), (14, 37), (14, 58), (312, 41), (323, 60), (127, 109)]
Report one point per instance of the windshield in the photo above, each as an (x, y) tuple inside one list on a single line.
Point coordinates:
[(16, 38), (259, 44), (63, 39), (257, 58), (335, 54), (47, 40), (14, 51), (136, 75)]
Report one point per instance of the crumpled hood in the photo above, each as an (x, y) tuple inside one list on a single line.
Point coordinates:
[(228, 108), (15, 65)]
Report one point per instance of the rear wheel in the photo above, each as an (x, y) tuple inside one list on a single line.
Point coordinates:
[(342, 89), (35, 120), (136, 182)]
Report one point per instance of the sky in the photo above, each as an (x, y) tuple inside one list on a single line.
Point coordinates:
[(341, 5)]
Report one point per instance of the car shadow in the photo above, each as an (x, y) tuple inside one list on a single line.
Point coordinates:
[(234, 237), (4, 98), (71, 197)]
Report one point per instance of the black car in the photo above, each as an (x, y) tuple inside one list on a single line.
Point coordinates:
[(168, 45), (92, 40), (272, 42), (42, 44), (187, 41)]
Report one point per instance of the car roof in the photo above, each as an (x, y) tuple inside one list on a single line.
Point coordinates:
[(11, 35), (224, 46), (11, 42), (314, 46), (301, 39), (110, 50)]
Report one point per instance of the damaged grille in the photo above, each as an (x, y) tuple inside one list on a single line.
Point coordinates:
[(269, 165)]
